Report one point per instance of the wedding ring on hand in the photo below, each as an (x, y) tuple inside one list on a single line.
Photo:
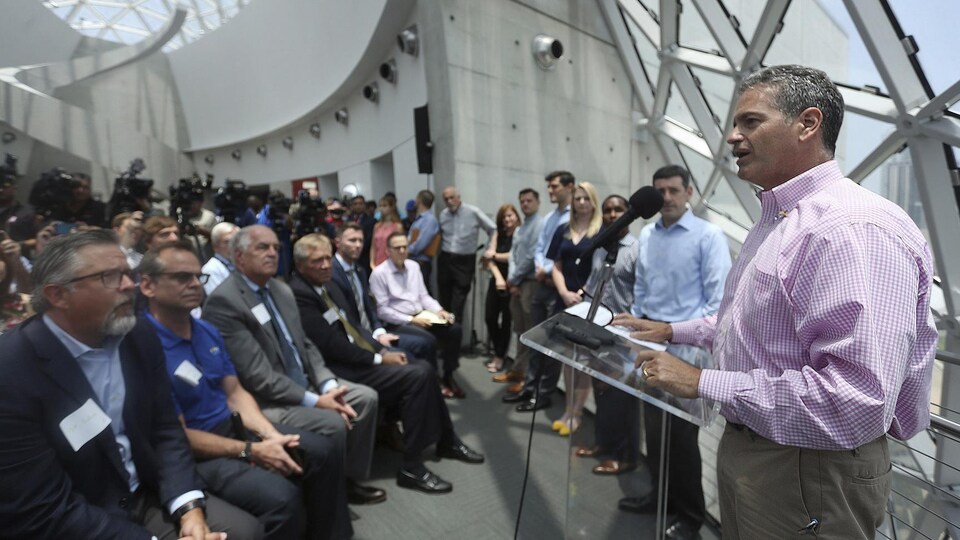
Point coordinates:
[(643, 369)]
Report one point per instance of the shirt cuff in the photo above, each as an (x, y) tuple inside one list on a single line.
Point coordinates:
[(184, 499), (377, 359), (310, 399), (329, 385), (684, 333), (724, 387), (379, 332)]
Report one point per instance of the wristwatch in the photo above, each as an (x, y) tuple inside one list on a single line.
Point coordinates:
[(188, 506), (246, 454)]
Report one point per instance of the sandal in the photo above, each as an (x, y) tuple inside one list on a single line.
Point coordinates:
[(493, 366), (446, 391)]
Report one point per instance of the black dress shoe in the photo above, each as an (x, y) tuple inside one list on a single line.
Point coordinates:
[(357, 494), (427, 482), (522, 395), (532, 404), (639, 505), (682, 530), (459, 452)]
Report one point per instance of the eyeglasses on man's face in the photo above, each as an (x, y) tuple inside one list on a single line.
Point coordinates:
[(111, 279), (184, 278)]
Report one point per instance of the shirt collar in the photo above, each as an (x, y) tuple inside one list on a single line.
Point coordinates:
[(253, 286), (394, 267), (346, 266), (167, 338), (782, 199), (685, 221), (75, 347), (628, 240)]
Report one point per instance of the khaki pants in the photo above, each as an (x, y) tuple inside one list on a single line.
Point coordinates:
[(520, 310), (768, 490)]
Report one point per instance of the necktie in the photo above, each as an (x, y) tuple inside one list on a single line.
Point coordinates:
[(290, 363), (352, 277), (358, 339)]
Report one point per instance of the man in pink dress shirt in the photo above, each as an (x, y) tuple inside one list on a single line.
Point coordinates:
[(824, 341)]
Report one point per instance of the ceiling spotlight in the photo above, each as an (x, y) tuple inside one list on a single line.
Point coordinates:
[(262, 150), (287, 143), (342, 116), (408, 41), (209, 159), (8, 137), (372, 92), (547, 50), (388, 70), (315, 130), (236, 154)]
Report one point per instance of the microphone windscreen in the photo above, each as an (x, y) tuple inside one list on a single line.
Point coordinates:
[(646, 202)]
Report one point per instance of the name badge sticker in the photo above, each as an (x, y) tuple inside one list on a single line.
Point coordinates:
[(331, 316), (261, 313), (84, 424), (188, 373)]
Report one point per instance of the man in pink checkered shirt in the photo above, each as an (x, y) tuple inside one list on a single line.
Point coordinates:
[(824, 340)]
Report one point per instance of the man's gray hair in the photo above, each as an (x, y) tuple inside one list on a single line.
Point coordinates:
[(241, 241), (60, 261), (220, 230), (798, 87)]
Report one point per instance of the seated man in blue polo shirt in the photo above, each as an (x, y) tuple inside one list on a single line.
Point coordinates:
[(206, 390)]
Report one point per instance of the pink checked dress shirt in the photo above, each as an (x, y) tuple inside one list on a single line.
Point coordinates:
[(824, 338)]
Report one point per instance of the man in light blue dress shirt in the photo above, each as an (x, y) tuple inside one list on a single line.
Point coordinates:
[(681, 269), (427, 228)]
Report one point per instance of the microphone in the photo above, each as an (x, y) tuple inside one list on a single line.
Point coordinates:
[(645, 203)]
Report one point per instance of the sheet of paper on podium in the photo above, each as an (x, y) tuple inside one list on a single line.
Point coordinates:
[(608, 354)]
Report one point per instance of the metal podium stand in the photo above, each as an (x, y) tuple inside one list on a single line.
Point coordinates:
[(608, 357)]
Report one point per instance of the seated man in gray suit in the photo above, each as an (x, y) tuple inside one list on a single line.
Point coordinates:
[(284, 371)]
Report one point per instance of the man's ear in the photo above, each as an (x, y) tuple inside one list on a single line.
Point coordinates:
[(811, 123), (147, 286), (56, 295)]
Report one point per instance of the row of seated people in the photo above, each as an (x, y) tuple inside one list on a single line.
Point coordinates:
[(276, 376)]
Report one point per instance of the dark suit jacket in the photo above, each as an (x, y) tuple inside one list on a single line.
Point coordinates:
[(353, 315), (253, 346), (331, 339), (50, 491)]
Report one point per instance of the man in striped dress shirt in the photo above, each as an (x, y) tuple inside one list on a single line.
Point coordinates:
[(824, 341)]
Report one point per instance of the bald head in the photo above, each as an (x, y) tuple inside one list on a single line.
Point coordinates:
[(451, 197)]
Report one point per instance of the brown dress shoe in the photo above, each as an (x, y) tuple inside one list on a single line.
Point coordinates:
[(587, 452), (509, 377), (612, 466), (515, 388)]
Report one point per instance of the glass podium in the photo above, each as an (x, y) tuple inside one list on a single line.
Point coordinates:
[(602, 358)]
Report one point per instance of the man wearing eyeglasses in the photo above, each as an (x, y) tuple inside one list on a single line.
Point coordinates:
[(91, 443), (206, 389)]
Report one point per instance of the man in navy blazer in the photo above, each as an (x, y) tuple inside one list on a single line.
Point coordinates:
[(412, 340), (90, 445)]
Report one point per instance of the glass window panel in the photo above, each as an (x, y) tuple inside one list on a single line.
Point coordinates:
[(677, 109), (716, 89), (647, 53), (694, 33), (747, 13), (812, 35), (725, 202), (126, 22), (858, 137), (932, 23), (699, 167)]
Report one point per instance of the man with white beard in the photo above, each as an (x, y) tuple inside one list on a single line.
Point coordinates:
[(90, 438)]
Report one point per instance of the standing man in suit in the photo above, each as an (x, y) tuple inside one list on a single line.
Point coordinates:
[(258, 318), (403, 382), (207, 392), (352, 280), (90, 445), (358, 214)]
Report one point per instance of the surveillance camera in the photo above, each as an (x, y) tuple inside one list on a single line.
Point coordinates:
[(388, 70), (372, 92), (408, 41)]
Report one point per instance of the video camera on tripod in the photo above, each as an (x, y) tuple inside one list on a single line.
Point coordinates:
[(309, 215), (50, 194), (182, 197), (231, 200), (131, 193)]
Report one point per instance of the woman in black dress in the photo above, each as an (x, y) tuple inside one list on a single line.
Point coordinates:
[(569, 243), (498, 295)]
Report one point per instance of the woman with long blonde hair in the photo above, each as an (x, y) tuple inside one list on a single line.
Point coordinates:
[(569, 243)]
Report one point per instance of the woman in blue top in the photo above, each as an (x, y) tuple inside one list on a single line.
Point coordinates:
[(569, 243)]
